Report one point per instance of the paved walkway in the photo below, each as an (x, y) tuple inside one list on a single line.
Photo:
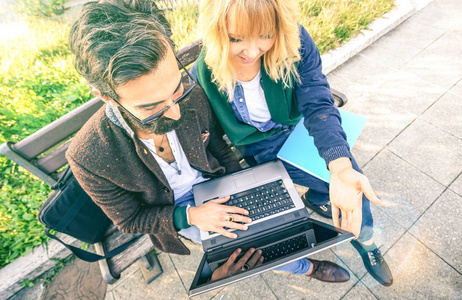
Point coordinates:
[(408, 84)]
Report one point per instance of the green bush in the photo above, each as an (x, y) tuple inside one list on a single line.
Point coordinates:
[(40, 8), (38, 84)]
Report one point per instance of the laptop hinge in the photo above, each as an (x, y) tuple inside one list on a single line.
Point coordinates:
[(214, 248), (299, 221)]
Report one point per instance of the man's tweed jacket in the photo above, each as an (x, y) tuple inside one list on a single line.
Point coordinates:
[(121, 175)]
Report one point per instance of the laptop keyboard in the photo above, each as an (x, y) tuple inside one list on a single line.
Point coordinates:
[(285, 248), (263, 201)]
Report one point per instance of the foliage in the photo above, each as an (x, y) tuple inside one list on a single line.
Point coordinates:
[(38, 84), (183, 20), (40, 8), (329, 22), (332, 22)]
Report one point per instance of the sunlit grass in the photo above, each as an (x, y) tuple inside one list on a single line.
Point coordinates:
[(332, 22), (38, 84), (329, 22)]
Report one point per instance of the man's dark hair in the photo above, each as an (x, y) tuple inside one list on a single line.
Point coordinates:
[(115, 41)]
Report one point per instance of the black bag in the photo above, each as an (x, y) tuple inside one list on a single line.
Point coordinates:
[(70, 210)]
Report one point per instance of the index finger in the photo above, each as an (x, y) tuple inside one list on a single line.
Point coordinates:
[(232, 257), (356, 222), (335, 215), (245, 257), (220, 199), (369, 192), (237, 210)]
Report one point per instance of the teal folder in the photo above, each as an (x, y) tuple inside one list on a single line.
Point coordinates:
[(299, 149)]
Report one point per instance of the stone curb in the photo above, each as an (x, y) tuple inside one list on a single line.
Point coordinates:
[(403, 10), (33, 265), (39, 260)]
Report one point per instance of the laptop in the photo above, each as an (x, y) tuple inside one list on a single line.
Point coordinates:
[(281, 226)]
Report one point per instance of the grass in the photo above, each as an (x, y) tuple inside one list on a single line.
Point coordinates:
[(329, 22), (38, 84)]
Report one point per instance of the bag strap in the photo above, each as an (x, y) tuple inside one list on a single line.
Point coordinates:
[(89, 256)]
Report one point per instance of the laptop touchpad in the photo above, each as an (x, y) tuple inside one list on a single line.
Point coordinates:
[(244, 180)]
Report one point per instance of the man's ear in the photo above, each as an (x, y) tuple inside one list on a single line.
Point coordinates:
[(105, 98)]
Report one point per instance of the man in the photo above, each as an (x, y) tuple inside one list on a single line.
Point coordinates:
[(139, 155)]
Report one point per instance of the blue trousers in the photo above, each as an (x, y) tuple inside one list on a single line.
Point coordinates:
[(268, 149), (298, 267)]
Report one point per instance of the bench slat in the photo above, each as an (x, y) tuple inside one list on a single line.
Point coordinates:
[(188, 54), (54, 160), (50, 135)]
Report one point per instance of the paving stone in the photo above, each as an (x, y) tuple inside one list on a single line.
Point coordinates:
[(440, 229), (457, 29), (384, 123), (451, 7), (363, 70), (125, 274), (77, 280), (421, 37), (417, 274), (365, 149), (436, 16), (456, 186), (406, 191), (354, 92), (166, 286), (446, 114), (391, 52), (457, 89), (251, 288), (405, 92), (288, 286), (186, 266), (435, 68), (431, 150), (109, 296), (359, 291), (448, 45)]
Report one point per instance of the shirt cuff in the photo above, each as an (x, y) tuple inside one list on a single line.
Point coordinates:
[(180, 219), (334, 153)]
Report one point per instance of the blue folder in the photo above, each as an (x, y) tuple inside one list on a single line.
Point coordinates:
[(299, 149)]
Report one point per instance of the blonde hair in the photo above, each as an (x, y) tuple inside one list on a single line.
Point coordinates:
[(277, 17)]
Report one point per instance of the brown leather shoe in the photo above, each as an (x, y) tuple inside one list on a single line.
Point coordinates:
[(328, 271)]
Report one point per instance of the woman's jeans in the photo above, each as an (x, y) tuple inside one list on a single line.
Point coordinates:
[(268, 149), (298, 267)]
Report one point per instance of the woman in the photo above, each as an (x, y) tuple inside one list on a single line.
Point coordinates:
[(262, 72)]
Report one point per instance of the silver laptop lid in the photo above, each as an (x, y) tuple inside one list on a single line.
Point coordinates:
[(242, 181)]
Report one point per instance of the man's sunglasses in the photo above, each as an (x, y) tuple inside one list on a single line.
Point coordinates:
[(160, 113)]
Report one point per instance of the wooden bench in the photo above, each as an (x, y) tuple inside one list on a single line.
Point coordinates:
[(43, 154)]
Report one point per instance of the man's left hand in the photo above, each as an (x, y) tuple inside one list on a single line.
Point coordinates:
[(346, 191), (251, 258)]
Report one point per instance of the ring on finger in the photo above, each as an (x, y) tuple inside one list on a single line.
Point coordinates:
[(245, 267), (229, 218)]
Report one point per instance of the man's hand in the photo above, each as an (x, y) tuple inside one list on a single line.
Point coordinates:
[(346, 191), (251, 258), (212, 216)]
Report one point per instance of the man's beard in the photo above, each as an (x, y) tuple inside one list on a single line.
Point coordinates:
[(159, 127)]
